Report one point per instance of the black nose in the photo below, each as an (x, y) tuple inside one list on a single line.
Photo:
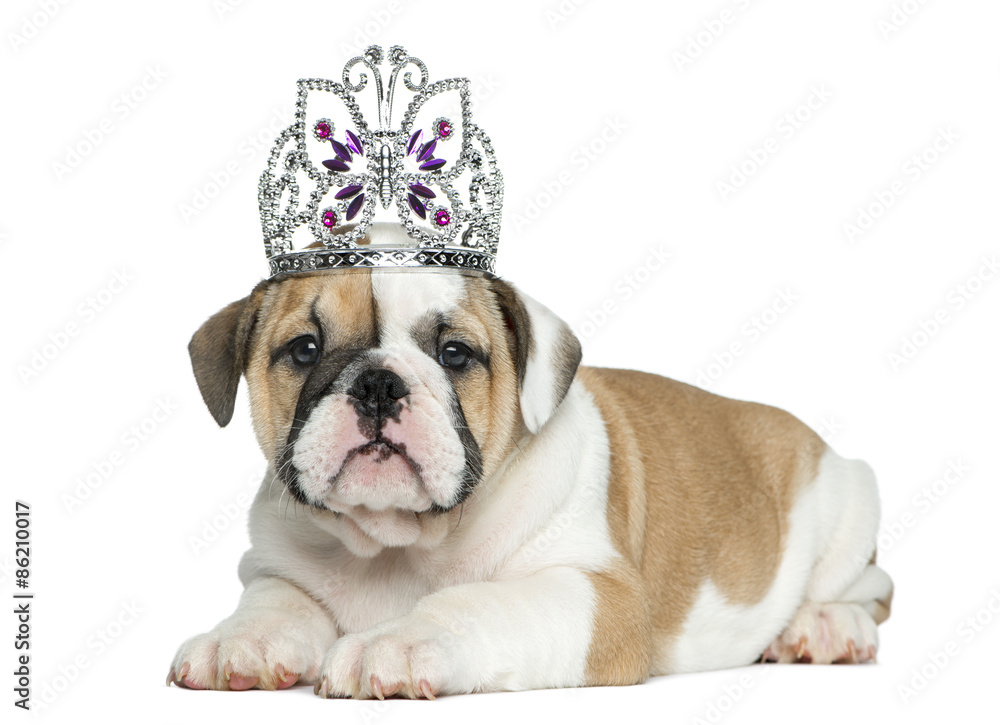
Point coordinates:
[(377, 392)]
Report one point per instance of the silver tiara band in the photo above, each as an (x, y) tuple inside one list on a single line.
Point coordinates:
[(362, 257)]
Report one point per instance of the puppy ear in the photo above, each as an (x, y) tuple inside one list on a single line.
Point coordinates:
[(545, 351), (218, 354)]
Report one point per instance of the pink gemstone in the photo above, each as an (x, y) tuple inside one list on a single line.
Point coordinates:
[(323, 130), (442, 217), (444, 129), (329, 219)]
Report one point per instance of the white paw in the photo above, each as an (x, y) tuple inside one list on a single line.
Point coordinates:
[(411, 657), (833, 633), (263, 647)]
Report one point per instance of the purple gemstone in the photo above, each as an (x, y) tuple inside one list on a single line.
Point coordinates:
[(427, 150), (336, 165), (348, 191), (414, 141), (341, 150), (421, 190), (355, 143), (355, 207), (433, 165), (417, 206)]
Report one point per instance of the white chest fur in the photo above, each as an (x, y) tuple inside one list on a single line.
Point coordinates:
[(546, 507)]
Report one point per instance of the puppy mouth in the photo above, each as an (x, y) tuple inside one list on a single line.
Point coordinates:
[(380, 450), (377, 473)]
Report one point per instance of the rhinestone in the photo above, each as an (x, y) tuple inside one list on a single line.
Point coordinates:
[(323, 130), (355, 143), (417, 206), (427, 150), (342, 151), (336, 165), (348, 191), (421, 190), (355, 207), (414, 141)]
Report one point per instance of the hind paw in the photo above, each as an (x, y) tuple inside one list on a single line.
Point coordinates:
[(832, 633)]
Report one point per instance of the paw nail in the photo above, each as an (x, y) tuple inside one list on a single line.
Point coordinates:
[(852, 651), (170, 677), (227, 671), (803, 643), (377, 688), (425, 690), (320, 688), (280, 672)]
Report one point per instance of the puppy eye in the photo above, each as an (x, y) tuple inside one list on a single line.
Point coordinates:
[(304, 350), (455, 355)]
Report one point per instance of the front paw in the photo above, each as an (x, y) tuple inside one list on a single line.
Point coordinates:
[(266, 648), (411, 657)]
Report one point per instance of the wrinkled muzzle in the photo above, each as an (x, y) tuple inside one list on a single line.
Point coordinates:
[(383, 432)]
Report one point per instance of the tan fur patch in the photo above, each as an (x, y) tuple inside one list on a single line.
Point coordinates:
[(343, 303), (620, 643), (720, 477), (883, 608), (489, 401)]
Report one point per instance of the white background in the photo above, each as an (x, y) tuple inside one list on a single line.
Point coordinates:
[(666, 98)]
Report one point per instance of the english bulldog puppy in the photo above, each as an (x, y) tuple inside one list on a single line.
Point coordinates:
[(454, 505)]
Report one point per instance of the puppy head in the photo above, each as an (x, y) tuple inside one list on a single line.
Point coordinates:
[(383, 395)]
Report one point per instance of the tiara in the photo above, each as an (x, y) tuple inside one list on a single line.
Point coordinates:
[(329, 171)]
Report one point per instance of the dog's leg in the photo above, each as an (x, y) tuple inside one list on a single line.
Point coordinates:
[(517, 634), (848, 595), (276, 637)]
